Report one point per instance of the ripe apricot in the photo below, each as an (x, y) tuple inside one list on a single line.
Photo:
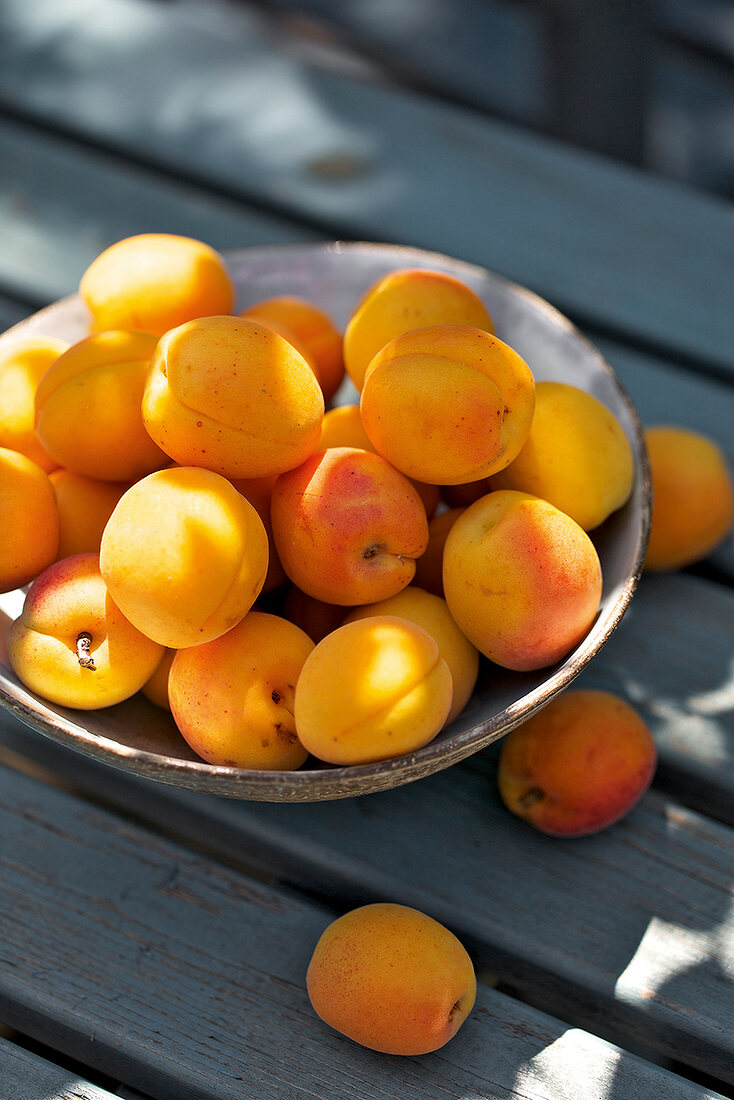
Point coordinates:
[(521, 578), (343, 427), (84, 504), (29, 520), (234, 397), (184, 555), (402, 300), (578, 765), (576, 456), (429, 566), (392, 979), (232, 698), (88, 407), (348, 526), (259, 490), (154, 282), (310, 330), (155, 688), (23, 364), (693, 497), (71, 643), (371, 690), (313, 616), (448, 403), (432, 614)]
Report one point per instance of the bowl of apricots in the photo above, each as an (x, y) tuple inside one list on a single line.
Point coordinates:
[(301, 523)]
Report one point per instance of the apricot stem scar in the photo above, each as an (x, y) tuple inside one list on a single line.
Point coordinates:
[(531, 796), (374, 550), (83, 647)]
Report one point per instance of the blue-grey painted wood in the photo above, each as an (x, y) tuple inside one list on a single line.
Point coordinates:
[(62, 203), (26, 1076), (186, 979), (215, 99)]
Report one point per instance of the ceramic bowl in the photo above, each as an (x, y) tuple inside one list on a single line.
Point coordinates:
[(140, 738)]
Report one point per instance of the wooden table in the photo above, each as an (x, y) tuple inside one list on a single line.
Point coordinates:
[(154, 941)]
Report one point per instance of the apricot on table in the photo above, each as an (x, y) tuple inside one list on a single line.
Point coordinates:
[(88, 407), (432, 614), (348, 526), (232, 396), (310, 330), (29, 520), (576, 456), (84, 504), (402, 300), (392, 979), (448, 404), (521, 578), (372, 690), (71, 643), (578, 765), (184, 555), (232, 698), (23, 364), (154, 282), (693, 497)]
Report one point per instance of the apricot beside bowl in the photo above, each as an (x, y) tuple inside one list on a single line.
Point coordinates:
[(140, 738)]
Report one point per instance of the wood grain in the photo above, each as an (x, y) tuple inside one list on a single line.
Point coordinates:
[(186, 980)]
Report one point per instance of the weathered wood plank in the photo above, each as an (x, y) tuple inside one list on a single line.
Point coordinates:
[(187, 979), (25, 1076), (62, 203), (604, 243)]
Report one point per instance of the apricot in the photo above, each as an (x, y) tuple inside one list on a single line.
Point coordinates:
[(155, 688), (315, 617), (310, 330), (429, 566), (392, 979), (521, 578), (184, 555), (23, 364), (29, 520), (403, 300), (577, 766), (371, 690), (234, 397), (88, 407), (448, 403), (343, 427), (154, 282), (232, 698), (693, 497), (71, 643), (432, 614), (348, 526), (576, 456), (84, 504), (259, 490)]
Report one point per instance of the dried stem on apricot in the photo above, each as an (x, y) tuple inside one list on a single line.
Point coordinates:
[(83, 650)]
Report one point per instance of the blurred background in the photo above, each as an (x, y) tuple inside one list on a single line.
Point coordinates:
[(248, 122)]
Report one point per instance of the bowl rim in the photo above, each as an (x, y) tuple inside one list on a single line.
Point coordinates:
[(330, 782)]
